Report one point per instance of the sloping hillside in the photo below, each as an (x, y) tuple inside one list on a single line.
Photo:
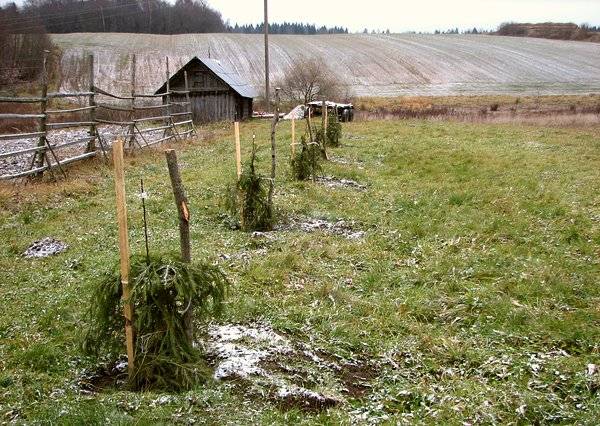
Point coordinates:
[(382, 65)]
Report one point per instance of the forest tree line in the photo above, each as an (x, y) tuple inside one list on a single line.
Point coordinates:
[(134, 16)]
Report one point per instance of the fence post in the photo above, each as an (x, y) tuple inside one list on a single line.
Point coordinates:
[(324, 129), (91, 146), (40, 155), (273, 147), (132, 113), (325, 117), (184, 228), (238, 149), (169, 121), (190, 116), (124, 252), (293, 137)]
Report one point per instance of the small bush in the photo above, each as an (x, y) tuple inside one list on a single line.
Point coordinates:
[(494, 107), (163, 289), (321, 140), (334, 131), (249, 201), (307, 161)]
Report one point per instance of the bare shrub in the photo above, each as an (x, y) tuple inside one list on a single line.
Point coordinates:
[(307, 80), (23, 44)]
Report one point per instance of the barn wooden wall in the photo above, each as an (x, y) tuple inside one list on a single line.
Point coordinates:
[(211, 99), (217, 106)]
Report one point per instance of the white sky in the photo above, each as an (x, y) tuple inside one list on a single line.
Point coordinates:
[(411, 15), (408, 15)]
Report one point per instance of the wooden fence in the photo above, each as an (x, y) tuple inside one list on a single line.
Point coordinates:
[(44, 156)]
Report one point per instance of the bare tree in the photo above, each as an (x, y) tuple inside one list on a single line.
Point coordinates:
[(308, 80)]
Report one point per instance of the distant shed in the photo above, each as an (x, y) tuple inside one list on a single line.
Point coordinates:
[(216, 93)]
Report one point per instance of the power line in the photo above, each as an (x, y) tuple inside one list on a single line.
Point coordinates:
[(53, 15), (80, 20)]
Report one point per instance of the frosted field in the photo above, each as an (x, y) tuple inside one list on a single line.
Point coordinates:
[(369, 65)]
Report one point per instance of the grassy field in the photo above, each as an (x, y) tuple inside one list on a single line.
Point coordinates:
[(579, 102), (472, 296)]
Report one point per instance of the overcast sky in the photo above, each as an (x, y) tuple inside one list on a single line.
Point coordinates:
[(411, 15)]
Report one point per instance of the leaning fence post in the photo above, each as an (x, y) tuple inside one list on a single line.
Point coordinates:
[(184, 228), (238, 149), (91, 146), (124, 252)]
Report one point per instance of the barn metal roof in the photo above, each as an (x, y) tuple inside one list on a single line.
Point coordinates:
[(231, 78)]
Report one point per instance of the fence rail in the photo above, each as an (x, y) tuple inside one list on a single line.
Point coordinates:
[(44, 157)]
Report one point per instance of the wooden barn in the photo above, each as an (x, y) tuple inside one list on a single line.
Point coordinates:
[(216, 93)]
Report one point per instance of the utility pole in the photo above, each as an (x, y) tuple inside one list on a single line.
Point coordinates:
[(267, 88)]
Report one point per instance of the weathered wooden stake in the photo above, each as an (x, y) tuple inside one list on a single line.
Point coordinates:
[(124, 252), (325, 116), (238, 149), (184, 228), (293, 137)]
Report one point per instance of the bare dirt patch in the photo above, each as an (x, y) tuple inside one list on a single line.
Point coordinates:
[(112, 375)]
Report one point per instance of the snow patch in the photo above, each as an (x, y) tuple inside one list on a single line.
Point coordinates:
[(45, 247), (333, 182)]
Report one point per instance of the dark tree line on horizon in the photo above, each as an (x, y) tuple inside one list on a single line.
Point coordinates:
[(131, 16), (288, 28), (134, 16)]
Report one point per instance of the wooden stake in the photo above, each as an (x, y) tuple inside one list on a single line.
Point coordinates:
[(124, 252), (184, 229), (238, 149), (293, 137), (325, 116)]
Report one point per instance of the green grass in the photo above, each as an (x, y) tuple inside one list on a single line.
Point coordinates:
[(475, 288)]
